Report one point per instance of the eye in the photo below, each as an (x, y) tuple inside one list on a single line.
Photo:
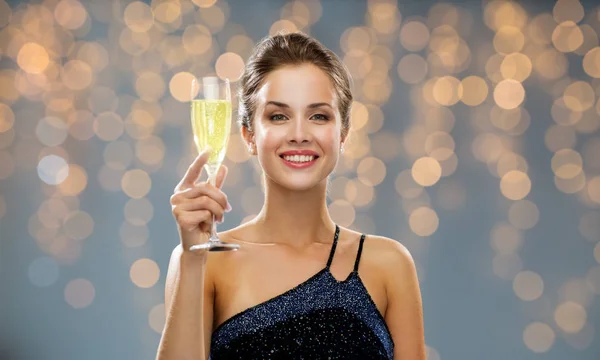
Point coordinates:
[(322, 117), (277, 117)]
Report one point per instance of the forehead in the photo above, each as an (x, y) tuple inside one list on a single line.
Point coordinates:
[(297, 85)]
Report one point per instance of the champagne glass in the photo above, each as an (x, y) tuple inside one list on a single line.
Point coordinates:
[(211, 124)]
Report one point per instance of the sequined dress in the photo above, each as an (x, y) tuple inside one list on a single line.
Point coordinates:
[(321, 318)]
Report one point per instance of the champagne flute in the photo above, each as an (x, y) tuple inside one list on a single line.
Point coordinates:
[(211, 124)]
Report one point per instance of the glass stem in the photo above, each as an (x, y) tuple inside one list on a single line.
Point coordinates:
[(212, 178)]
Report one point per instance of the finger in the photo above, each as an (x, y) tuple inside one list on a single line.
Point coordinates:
[(194, 171), (203, 189), (221, 175), (201, 204), (189, 221)]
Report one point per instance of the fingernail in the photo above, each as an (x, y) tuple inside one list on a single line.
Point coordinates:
[(228, 208)]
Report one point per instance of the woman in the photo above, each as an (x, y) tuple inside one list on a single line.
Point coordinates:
[(284, 294)]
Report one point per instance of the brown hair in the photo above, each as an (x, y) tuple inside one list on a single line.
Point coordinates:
[(274, 52)]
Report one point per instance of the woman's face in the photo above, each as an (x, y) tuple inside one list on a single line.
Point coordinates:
[(297, 110)]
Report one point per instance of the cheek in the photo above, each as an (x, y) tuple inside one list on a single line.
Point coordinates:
[(329, 136)]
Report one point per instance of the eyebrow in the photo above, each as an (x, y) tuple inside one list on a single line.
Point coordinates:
[(284, 105)]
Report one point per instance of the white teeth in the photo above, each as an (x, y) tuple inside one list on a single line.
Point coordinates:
[(299, 158)]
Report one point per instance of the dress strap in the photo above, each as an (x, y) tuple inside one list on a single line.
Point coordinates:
[(360, 246), (335, 239)]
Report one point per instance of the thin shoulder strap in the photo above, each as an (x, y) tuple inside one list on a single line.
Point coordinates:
[(360, 246), (335, 239)]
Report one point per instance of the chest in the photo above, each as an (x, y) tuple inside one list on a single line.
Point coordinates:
[(254, 277)]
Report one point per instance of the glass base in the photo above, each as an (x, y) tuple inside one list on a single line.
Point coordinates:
[(215, 246)]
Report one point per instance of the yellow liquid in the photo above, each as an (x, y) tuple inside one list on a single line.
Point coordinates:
[(211, 124)]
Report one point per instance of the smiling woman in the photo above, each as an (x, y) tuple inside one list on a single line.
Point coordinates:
[(287, 293)]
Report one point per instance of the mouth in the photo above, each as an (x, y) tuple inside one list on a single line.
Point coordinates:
[(299, 161)]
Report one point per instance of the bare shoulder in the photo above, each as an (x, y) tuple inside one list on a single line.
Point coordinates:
[(391, 256)]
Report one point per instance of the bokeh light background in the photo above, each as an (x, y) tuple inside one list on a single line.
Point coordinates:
[(475, 142)]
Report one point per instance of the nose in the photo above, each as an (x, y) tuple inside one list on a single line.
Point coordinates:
[(299, 131)]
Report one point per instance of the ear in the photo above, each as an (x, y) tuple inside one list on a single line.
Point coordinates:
[(247, 135)]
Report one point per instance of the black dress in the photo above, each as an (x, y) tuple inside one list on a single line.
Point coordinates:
[(321, 318)]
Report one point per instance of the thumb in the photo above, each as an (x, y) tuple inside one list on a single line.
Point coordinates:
[(221, 175)]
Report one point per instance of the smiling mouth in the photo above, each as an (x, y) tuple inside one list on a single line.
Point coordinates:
[(299, 161)]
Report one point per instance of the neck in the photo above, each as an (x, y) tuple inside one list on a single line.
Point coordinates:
[(295, 218)]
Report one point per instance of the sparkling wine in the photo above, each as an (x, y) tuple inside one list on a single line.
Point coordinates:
[(211, 124)]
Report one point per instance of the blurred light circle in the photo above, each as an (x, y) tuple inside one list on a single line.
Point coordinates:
[(75, 182), (196, 39), (94, 55), (7, 118), (342, 212), (538, 337), (144, 273), (509, 94), (282, 26), (446, 90), (508, 39), (516, 66), (180, 86), (515, 185), (33, 58), (156, 318), (138, 16), (439, 145), (70, 14), (423, 221), (108, 126), (511, 161), (229, 65), (567, 163), (414, 35), (79, 293), (43, 271), (51, 131), (506, 239), (167, 12), (77, 75), (528, 285), (523, 214), (551, 64), (150, 86), (568, 10), (412, 68), (78, 225), (426, 171), (570, 316), (53, 169), (572, 185), (591, 62), (579, 96), (589, 226), (371, 171), (473, 90), (593, 189), (136, 183), (567, 37)]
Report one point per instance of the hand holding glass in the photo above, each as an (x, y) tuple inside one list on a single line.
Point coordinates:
[(211, 125)]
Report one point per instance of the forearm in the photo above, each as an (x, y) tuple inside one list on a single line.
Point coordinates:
[(183, 335)]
